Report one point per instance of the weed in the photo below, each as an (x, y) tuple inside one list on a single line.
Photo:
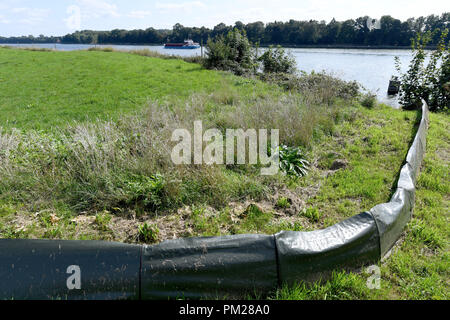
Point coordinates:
[(102, 220), (283, 203), (148, 233), (312, 214)]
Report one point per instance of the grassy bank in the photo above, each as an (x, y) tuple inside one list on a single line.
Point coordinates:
[(115, 170), (86, 143), (419, 265)]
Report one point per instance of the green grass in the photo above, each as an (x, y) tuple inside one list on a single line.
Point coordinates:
[(40, 90), (373, 143), (419, 267)]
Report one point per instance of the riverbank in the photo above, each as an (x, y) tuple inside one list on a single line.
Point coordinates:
[(263, 45), (117, 90), (108, 175)]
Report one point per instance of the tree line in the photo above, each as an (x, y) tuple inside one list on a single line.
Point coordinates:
[(363, 31)]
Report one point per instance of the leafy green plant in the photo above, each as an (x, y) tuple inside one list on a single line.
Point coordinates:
[(102, 220), (146, 191), (283, 203), (428, 82), (292, 161), (148, 233)]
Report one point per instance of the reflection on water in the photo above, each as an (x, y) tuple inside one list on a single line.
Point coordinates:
[(372, 68)]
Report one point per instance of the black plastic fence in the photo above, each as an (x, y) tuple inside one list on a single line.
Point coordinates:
[(229, 266)]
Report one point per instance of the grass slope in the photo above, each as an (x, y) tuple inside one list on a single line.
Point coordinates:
[(419, 267), (41, 89), (46, 174)]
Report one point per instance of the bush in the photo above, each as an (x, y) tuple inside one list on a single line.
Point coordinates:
[(428, 82), (232, 52), (276, 60), (318, 87), (369, 100)]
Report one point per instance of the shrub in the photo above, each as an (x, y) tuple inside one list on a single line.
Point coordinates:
[(428, 82), (318, 87), (232, 52), (276, 60), (369, 100)]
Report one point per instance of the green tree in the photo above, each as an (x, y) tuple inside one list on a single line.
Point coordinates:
[(430, 81)]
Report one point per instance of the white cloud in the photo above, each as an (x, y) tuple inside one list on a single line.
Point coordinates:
[(3, 20), (186, 6), (139, 14), (98, 8), (30, 15)]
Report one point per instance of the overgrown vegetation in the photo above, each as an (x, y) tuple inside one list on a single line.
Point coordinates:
[(321, 88), (430, 82), (126, 163)]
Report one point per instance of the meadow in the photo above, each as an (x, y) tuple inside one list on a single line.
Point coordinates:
[(85, 154), (44, 89)]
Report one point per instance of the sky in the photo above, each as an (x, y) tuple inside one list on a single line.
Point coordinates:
[(50, 17)]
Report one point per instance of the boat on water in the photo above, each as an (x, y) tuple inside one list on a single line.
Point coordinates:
[(187, 44), (394, 86)]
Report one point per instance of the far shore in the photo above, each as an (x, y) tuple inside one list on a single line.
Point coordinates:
[(381, 47)]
